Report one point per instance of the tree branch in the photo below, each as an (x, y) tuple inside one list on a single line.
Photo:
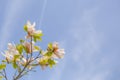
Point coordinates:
[(17, 77), (28, 62)]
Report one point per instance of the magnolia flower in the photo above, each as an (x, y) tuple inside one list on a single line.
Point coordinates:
[(29, 48), (11, 52), (30, 28), (12, 49), (58, 53), (55, 45), (8, 56)]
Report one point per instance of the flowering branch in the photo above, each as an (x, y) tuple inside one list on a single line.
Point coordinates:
[(26, 55)]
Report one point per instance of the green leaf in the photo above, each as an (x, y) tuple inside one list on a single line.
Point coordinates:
[(49, 54), (37, 37), (19, 48), (37, 47), (50, 46), (25, 49), (2, 66), (1, 77), (22, 41), (25, 28), (51, 63), (4, 61), (15, 65), (16, 57), (40, 51), (43, 62)]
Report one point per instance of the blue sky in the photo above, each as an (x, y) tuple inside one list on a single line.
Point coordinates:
[(87, 29)]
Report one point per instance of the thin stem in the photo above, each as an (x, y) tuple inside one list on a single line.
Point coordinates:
[(14, 74), (2, 74), (5, 75), (31, 47), (27, 57), (22, 71), (25, 72)]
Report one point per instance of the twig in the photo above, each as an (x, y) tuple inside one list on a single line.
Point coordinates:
[(17, 77), (14, 74), (2, 74), (31, 48), (26, 72), (5, 75), (22, 73)]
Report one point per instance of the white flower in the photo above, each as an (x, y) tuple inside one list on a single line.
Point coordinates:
[(30, 29), (12, 49), (11, 52), (8, 56), (29, 47), (55, 45), (58, 53)]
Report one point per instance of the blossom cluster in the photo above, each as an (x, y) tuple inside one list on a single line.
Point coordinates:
[(27, 55)]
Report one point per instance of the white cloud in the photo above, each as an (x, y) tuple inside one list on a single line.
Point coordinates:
[(88, 40), (87, 46)]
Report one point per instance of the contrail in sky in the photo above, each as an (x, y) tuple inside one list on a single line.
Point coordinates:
[(42, 12)]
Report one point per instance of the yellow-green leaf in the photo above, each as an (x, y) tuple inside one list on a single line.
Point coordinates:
[(43, 62), (19, 48), (14, 65), (37, 37), (49, 54), (50, 46), (22, 41), (37, 47), (25, 27), (1, 77), (16, 57), (51, 63), (2, 66)]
